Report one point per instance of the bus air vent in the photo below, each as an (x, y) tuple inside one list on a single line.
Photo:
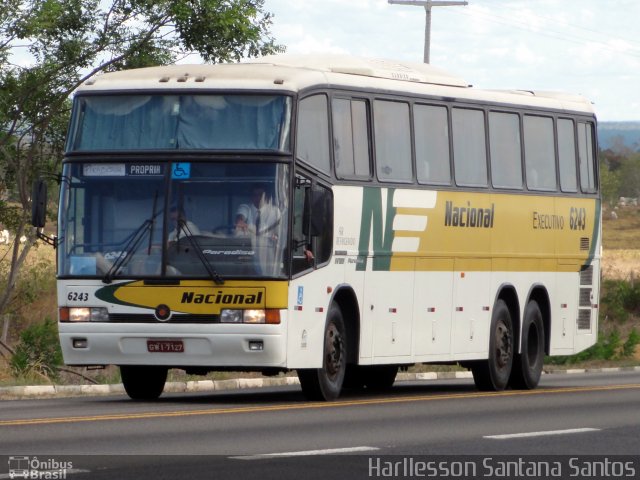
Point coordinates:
[(584, 243), (584, 319), (585, 297), (586, 276)]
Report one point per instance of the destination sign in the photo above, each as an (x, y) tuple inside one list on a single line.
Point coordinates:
[(122, 169)]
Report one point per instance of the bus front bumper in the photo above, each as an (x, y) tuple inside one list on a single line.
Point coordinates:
[(250, 346)]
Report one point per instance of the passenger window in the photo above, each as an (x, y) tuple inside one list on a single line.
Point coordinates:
[(393, 141), (567, 156), (587, 157), (469, 147), (313, 132), (351, 138), (506, 154), (431, 129), (539, 153)]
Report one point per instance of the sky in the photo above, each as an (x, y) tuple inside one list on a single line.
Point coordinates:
[(588, 47)]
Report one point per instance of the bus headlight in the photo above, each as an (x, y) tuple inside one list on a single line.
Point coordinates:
[(271, 316), (230, 316), (253, 316), (84, 314)]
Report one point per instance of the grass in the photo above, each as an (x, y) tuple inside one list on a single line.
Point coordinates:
[(622, 232)]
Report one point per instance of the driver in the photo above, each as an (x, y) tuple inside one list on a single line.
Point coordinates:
[(181, 226)]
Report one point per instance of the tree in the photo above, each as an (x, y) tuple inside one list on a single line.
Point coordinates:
[(630, 177), (49, 47), (609, 184)]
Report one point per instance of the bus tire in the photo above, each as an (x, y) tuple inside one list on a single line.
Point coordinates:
[(143, 382), (326, 383), (493, 374), (527, 365)]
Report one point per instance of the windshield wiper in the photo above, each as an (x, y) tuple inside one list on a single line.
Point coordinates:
[(133, 244), (182, 225), (129, 249)]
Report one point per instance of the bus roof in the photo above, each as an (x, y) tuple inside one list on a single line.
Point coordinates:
[(294, 73)]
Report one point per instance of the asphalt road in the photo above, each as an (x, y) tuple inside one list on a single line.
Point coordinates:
[(275, 433)]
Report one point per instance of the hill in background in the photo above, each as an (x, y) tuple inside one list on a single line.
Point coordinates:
[(619, 135)]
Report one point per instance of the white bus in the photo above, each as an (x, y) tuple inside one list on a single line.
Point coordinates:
[(337, 216)]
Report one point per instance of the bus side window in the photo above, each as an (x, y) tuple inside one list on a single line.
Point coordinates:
[(321, 223), (351, 138), (539, 153), (469, 147), (393, 141), (313, 132), (567, 155), (432, 144), (504, 146), (587, 158), (312, 225)]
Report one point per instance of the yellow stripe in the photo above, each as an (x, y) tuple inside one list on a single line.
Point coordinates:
[(313, 405), (529, 233)]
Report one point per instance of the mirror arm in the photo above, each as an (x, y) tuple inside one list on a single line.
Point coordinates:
[(49, 240)]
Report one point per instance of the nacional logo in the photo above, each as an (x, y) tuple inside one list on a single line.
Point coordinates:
[(468, 216), (222, 297)]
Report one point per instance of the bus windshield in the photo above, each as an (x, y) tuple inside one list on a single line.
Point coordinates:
[(180, 122), (174, 220)]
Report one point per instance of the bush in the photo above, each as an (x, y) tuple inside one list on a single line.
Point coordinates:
[(629, 347), (619, 299), (38, 351), (608, 347)]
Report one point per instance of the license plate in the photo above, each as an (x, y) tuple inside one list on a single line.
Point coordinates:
[(165, 346)]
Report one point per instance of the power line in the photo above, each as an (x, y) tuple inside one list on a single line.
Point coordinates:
[(577, 27), (510, 22)]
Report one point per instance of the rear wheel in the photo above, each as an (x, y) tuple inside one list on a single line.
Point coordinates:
[(326, 383), (143, 382), (493, 374), (527, 365)]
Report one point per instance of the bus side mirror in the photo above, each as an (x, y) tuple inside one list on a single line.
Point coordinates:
[(39, 203)]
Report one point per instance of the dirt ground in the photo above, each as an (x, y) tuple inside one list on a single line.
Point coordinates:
[(621, 264)]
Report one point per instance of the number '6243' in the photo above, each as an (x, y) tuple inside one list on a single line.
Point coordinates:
[(578, 218), (78, 296)]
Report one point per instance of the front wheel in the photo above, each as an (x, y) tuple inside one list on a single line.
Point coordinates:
[(527, 365), (493, 373), (143, 382), (326, 383)]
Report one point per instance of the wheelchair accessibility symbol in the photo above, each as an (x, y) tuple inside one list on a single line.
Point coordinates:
[(180, 171)]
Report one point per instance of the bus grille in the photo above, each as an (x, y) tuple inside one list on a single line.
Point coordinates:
[(584, 243), (149, 318), (585, 297), (584, 319), (586, 276)]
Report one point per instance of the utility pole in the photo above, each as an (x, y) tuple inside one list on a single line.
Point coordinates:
[(427, 4)]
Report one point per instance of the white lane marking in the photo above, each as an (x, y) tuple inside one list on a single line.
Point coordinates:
[(541, 434), (306, 453)]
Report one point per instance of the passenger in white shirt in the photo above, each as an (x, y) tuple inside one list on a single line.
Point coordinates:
[(261, 221)]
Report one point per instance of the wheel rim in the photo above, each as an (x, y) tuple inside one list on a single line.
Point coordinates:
[(333, 351), (503, 345)]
